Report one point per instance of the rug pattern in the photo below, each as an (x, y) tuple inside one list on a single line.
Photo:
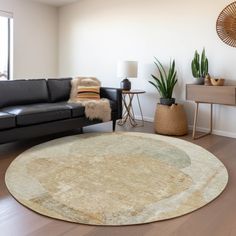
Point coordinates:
[(116, 178)]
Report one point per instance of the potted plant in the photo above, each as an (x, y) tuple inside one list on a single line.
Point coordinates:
[(165, 82), (199, 67)]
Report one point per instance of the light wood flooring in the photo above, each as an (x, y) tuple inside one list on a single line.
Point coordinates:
[(216, 219)]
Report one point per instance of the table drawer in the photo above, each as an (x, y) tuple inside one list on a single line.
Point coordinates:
[(225, 95)]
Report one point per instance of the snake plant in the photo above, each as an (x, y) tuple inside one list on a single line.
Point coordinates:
[(200, 66), (166, 80)]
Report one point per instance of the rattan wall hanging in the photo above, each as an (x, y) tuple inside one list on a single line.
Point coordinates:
[(226, 25)]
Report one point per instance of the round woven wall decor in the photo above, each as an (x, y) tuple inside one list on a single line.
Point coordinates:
[(226, 25)]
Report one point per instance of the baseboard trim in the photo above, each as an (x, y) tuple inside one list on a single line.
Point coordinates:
[(215, 131), (145, 118), (200, 129)]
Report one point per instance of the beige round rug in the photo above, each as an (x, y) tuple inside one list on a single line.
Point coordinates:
[(116, 178)]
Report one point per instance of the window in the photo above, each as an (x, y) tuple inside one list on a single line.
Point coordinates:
[(6, 32)]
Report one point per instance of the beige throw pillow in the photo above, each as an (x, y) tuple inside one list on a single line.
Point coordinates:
[(88, 92), (82, 81)]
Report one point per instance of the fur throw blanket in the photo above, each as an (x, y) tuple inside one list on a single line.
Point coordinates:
[(94, 109)]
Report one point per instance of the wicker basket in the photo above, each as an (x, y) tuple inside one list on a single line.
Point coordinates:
[(171, 120)]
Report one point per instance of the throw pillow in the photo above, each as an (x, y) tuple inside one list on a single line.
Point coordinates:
[(81, 81), (88, 93)]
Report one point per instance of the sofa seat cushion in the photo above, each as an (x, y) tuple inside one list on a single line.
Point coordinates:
[(77, 110), (7, 121), (38, 113)]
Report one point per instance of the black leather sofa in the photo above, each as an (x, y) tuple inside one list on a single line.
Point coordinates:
[(34, 108)]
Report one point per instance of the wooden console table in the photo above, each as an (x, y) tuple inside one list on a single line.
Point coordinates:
[(222, 95)]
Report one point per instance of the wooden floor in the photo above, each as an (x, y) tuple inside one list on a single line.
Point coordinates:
[(216, 219)]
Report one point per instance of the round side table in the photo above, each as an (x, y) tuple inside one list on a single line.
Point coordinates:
[(128, 112)]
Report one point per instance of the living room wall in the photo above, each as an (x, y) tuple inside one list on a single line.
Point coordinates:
[(35, 38), (95, 34)]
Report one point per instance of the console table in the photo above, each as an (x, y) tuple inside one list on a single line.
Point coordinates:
[(222, 95)]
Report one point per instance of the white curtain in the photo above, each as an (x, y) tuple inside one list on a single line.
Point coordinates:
[(5, 43)]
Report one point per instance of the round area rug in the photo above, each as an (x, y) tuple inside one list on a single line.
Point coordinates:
[(116, 178)]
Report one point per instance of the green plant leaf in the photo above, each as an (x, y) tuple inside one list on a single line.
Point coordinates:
[(170, 77), (195, 69), (166, 81), (197, 60), (206, 66), (162, 77), (203, 59), (154, 85), (162, 67), (158, 84)]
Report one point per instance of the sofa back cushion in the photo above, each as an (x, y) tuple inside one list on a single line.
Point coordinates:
[(21, 92), (59, 89)]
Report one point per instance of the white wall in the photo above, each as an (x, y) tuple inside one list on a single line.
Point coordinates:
[(35, 38), (95, 34)]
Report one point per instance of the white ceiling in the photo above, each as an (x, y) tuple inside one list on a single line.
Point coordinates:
[(57, 3)]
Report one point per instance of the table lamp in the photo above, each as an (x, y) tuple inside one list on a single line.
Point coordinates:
[(125, 70)]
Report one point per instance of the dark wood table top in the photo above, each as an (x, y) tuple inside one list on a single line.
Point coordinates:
[(134, 91)]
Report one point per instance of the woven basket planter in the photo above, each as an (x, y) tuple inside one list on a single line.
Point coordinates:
[(171, 120)]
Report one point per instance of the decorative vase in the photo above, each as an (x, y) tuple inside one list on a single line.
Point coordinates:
[(217, 82), (207, 80), (125, 84), (199, 81), (167, 101)]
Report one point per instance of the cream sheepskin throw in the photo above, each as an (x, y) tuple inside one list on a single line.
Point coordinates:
[(94, 109)]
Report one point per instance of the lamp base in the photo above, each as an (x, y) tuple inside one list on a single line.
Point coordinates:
[(125, 84)]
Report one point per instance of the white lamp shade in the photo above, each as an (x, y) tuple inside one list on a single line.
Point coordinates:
[(127, 69)]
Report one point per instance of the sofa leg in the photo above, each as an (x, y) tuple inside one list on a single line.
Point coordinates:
[(114, 125)]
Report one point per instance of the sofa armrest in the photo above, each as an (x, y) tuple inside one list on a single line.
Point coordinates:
[(115, 95)]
